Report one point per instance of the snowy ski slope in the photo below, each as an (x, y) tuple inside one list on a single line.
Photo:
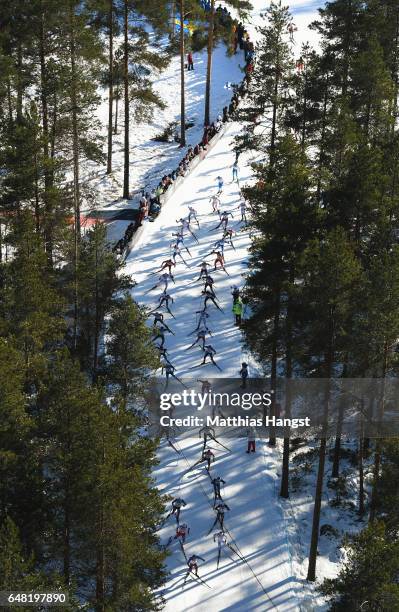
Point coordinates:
[(256, 525), (255, 521)]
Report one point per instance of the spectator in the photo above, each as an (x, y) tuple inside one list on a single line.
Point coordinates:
[(251, 436), (190, 61), (238, 308)]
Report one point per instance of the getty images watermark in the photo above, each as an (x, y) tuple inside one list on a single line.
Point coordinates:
[(314, 407), (216, 403)]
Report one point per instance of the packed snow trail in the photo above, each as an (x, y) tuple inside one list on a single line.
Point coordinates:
[(262, 579), (255, 521), (154, 247)]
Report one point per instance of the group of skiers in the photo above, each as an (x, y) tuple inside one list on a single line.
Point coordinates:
[(208, 291), (180, 252), (220, 508)]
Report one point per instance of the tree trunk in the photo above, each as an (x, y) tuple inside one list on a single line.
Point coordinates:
[(340, 419), (273, 374), (395, 73), (116, 113), (378, 446), (322, 141), (311, 576), (285, 472), (111, 83), (100, 553), (75, 139), (100, 570), (209, 64), (67, 538), (273, 134), (361, 508), (19, 83), (9, 102), (97, 316), (182, 76), (173, 28), (126, 86), (304, 110), (48, 174), (37, 197)]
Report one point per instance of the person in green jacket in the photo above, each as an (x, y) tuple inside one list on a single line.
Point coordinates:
[(237, 310)]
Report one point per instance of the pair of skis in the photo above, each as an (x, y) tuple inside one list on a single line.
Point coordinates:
[(220, 444), (202, 364), (197, 578)]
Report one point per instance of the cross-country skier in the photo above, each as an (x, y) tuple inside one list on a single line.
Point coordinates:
[(215, 201), (159, 318), (221, 539), (182, 532), (185, 225), (244, 374), (177, 253), (209, 457), (170, 371), (193, 215), (216, 482), (208, 295), (218, 246), (203, 316), (159, 332), (221, 509), (165, 298), (206, 432), (222, 543), (205, 385), (224, 219), (180, 242), (168, 263), (219, 260), (192, 563), (235, 171), (177, 506), (243, 209), (220, 184), (228, 237), (164, 278), (209, 351), (203, 270), (209, 282), (164, 359), (201, 335)]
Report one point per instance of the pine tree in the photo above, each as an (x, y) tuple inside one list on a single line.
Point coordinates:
[(368, 577), (130, 356), (242, 6), (99, 281), (139, 59), (17, 569), (270, 89), (331, 278), (286, 224), (32, 306)]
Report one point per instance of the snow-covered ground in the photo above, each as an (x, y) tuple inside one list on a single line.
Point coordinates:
[(272, 535)]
